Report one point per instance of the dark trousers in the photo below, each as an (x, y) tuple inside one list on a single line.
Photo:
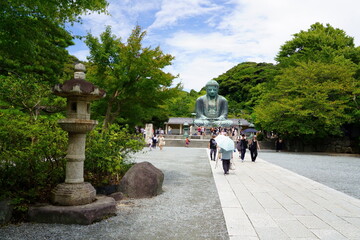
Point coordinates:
[(253, 155), (242, 153), (213, 152), (226, 165)]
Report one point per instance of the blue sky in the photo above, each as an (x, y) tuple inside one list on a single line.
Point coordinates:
[(208, 37)]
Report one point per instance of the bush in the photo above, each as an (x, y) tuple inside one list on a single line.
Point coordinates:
[(108, 154), (31, 158)]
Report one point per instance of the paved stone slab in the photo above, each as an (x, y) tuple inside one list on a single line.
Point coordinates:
[(280, 204)]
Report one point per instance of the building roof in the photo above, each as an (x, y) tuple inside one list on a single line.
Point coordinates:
[(182, 120), (179, 120)]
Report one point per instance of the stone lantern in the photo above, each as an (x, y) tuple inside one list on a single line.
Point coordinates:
[(186, 129), (79, 93)]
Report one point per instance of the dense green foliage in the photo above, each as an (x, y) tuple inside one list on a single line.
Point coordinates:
[(182, 104), (31, 157), (310, 99), (133, 76), (319, 43), (107, 154), (33, 38), (240, 85), (33, 57), (317, 91)]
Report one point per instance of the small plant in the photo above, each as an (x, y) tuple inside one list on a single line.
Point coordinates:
[(108, 154)]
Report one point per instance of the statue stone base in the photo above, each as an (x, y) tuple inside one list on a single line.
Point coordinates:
[(72, 194), (214, 123)]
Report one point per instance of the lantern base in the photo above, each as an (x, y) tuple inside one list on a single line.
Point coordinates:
[(102, 208), (72, 194)]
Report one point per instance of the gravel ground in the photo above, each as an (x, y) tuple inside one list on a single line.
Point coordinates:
[(340, 172), (189, 207)]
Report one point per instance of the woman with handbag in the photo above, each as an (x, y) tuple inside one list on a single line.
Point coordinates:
[(225, 157)]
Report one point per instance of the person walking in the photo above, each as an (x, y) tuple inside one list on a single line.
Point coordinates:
[(241, 146), (225, 157), (213, 148), (279, 145), (150, 142), (169, 130), (154, 141), (187, 142), (253, 147), (161, 142)]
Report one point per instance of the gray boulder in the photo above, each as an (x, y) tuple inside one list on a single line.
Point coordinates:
[(141, 181), (117, 196)]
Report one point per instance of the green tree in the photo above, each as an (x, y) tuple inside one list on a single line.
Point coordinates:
[(239, 84), (33, 42), (33, 38), (132, 75), (319, 43), (30, 93), (183, 102), (33, 54), (308, 100), (315, 94)]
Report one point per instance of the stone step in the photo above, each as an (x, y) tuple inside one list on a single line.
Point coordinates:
[(203, 141), (190, 137)]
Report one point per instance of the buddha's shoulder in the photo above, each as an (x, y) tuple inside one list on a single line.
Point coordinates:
[(201, 98), (221, 98), (204, 98)]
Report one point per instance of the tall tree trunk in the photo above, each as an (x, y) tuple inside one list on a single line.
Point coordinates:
[(112, 111)]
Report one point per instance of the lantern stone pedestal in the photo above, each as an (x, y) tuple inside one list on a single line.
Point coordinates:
[(72, 194), (75, 191), (75, 201)]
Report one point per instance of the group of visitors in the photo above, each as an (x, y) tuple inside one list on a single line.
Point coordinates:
[(156, 140), (233, 131), (241, 145)]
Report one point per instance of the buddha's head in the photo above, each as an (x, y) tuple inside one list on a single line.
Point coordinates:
[(212, 88)]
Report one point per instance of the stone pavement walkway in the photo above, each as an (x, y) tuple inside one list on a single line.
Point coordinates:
[(263, 201)]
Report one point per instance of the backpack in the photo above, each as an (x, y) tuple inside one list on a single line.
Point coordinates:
[(213, 143)]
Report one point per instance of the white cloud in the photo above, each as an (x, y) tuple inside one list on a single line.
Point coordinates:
[(81, 54), (271, 23), (123, 16), (207, 37), (216, 43), (96, 23), (202, 57), (195, 73), (173, 11)]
